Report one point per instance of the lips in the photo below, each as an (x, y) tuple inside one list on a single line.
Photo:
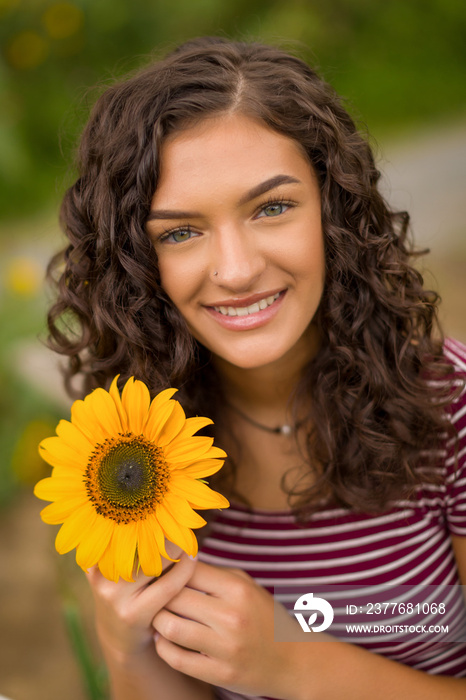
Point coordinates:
[(246, 314), (247, 310)]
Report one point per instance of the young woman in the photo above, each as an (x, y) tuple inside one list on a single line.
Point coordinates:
[(227, 237)]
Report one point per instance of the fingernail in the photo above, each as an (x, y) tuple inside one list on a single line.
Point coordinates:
[(192, 558), (156, 636)]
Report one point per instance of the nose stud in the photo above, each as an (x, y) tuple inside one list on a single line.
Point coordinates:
[(215, 273)]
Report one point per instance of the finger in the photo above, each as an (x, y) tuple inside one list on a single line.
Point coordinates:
[(192, 663), (93, 574), (156, 593), (185, 632), (195, 605), (153, 579), (111, 589), (215, 580)]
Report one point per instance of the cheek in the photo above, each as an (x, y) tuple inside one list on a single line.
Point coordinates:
[(179, 280), (168, 281), (306, 259)]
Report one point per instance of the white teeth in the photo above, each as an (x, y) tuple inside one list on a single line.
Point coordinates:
[(246, 310)]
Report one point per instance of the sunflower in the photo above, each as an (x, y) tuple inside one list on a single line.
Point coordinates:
[(127, 474)]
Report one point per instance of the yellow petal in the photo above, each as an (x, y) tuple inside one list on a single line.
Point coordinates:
[(75, 529), (159, 413), (106, 563), (83, 419), (180, 451), (135, 398), (215, 453), (196, 493), (53, 488), (200, 469), (148, 551), (173, 425), (124, 549), (91, 549), (103, 411), (115, 394), (58, 512), (174, 532), (66, 472), (192, 425), (74, 438), (194, 545), (182, 511), (57, 453), (159, 537)]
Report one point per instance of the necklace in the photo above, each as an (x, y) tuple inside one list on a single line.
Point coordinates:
[(279, 430)]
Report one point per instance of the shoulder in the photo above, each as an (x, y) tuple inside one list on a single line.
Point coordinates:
[(455, 454), (455, 352)]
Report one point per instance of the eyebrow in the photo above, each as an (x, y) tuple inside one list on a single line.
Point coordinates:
[(253, 193)]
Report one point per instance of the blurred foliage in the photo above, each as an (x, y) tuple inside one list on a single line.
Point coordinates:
[(25, 420), (397, 62), (94, 675), (26, 417)]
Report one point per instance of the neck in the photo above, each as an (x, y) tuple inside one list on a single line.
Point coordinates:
[(267, 388)]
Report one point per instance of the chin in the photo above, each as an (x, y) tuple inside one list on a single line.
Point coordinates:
[(249, 360)]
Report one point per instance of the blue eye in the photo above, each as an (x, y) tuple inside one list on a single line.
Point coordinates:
[(274, 209), (178, 235)]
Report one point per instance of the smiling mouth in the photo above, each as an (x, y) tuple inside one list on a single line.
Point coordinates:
[(247, 310)]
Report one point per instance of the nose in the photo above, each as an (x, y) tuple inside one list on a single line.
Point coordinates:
[(237, 261)]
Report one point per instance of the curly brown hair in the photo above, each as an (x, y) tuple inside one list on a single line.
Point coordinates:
[(376, 419)]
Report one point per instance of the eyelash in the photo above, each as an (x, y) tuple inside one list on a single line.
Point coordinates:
[(187, 229), (275, 200), (170, 232)]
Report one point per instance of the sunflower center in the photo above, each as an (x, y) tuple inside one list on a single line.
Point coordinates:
[(130, 476), (126, 477)]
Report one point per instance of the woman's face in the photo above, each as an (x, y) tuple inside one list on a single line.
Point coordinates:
[(236, 224)]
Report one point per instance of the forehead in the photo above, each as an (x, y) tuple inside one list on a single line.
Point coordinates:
[(227, 149)]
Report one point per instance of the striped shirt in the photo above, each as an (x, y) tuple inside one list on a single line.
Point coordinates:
[(407, 546)]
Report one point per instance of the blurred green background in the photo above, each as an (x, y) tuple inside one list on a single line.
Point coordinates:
[(399, 64)]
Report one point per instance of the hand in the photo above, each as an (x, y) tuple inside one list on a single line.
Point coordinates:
[(124, 611), (220, 629)]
